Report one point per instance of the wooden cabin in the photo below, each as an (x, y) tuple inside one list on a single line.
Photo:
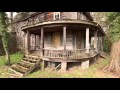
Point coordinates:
[(60, 37)]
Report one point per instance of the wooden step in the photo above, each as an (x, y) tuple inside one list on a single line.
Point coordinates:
[(27, 65), (16, 72), (21, 66), (33, 57), (27, 62), (30, 60), (18, 69)]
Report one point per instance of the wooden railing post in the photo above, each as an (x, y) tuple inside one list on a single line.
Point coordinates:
[(42, 41), (64, 40)]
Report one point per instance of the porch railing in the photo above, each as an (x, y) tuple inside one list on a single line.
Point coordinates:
[(34, 47), (53, 53), (70, 54)]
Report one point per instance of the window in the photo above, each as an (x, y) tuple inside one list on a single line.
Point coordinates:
[(56, 15)]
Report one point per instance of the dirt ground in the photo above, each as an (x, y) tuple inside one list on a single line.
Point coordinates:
[(74, 71)]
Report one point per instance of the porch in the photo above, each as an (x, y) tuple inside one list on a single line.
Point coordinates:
[(63, 42)]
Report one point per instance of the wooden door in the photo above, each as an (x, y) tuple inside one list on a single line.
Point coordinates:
[(56, 39)]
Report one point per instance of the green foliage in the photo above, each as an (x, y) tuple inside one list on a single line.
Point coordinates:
[(107, 45), (114, 25), (3, 30), (5, 40), (4, 22), (15, 58), (92, 72)]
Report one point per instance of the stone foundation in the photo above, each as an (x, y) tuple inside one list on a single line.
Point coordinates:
[(63, 66), (85, 64)]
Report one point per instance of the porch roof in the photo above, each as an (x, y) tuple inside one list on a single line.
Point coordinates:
[(65, 22)]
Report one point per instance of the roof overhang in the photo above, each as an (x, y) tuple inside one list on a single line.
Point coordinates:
[(65, 22)]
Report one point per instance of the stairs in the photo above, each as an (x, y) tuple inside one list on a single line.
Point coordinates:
[(25, 66)]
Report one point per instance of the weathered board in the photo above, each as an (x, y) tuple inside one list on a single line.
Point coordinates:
[(48, 40), (68, 15), (69, 40), (56, 39), (81, 16)]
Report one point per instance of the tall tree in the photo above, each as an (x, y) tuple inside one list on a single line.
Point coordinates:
[(5, 35), (11, 20), (114, 31)]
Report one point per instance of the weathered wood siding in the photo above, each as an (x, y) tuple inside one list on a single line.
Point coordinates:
[(19, 34), (81, 16), (55, 40), (41, 18), (48, 41), (68, 15), (12, 47), (69, 40)]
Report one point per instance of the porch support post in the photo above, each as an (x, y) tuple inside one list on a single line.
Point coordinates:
[(87, 40), (85, 64), (35, 42), (42, 35), (43, 65), (102, 39), (75, 41), (27, 42), (63, 66), (39, 41), (95, 41), (99, 41), (64, 40)]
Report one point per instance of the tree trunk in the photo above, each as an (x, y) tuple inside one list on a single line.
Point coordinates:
[(115, 58), (7, 58), (6, 49), (11, 19), (11, 16)]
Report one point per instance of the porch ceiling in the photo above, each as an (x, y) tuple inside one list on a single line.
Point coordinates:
[(53, 28)]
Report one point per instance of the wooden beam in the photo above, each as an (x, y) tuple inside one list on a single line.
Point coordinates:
[(87, 40), (42, 41), (64, 39)]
